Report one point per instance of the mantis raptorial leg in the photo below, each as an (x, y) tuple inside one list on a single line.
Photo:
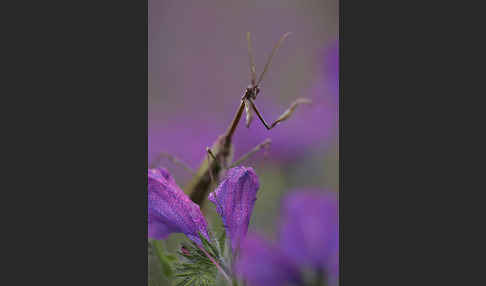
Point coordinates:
[(265, 144), (222, 150), (210, 154)]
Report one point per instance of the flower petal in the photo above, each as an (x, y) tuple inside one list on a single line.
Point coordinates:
[(234, 199), (309, 228), (170, 210), (261, 264), (161, 173)]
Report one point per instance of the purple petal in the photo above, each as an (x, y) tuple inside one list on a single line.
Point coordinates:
[(234, 199), (261, 264), (162, 173), (309, 231), (170, 210)]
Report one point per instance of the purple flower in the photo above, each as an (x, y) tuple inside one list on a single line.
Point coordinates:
[(309, 237), (234, 199), (170, 210), (309, 228), (261, 264), (162, 174)]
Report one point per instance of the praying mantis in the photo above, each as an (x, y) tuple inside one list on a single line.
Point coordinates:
[(220, 154)]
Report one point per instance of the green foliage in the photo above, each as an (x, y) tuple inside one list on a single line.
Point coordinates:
[(164, 259), (156, 272), (195, 268)]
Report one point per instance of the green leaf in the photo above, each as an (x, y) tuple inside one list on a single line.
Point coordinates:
[(213, 251), (186, 281)]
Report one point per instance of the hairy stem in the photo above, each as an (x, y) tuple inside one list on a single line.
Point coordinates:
[(216, 264)]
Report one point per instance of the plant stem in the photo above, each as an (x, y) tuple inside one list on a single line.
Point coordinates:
[(216, 264)]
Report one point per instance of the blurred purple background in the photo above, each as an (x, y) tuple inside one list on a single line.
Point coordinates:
[(199, 68)]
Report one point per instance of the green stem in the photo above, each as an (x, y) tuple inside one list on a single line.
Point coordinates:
[(216, 264)]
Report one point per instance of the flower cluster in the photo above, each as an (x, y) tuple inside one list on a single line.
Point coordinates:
[(308, 228), (171, 211)]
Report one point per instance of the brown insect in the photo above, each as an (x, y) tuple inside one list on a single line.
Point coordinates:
[(221, 152)]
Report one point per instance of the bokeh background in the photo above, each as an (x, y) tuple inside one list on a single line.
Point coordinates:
[(198, 70)]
